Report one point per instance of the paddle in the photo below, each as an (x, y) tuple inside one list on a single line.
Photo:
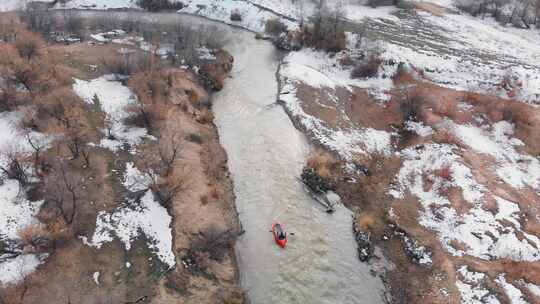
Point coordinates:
[(291, 233)]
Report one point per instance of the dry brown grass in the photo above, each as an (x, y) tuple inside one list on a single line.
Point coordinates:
[(205, 116), (446, 137), (30, 232), (213, 191), (445, 173), (28, 45), (321, 161), (366, 221)]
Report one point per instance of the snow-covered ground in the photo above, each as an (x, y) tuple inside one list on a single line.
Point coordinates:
[(14, 270), (16, 212), (253, 17), (11, 5), (114, 98), (318, 71), (98, 4), (144, 215)]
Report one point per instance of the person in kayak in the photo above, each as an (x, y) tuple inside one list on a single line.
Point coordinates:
[(281, 234)]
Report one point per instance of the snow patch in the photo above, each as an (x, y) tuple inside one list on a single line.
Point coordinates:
[(480, 232), (113, 98), (514, 294), (15, 270), (126, 223)]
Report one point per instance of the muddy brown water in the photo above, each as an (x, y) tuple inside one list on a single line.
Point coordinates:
[(266, 154)]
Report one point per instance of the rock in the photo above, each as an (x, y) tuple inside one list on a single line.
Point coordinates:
[(290, 41), (365, 247), (214, 72), (315, 182)]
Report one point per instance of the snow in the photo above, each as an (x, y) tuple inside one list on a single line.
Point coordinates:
[(471, 287), (466, 53), (480, 231), (253, 18), (127, 222), (114, 98), (98, 4), (11, 135), (14, 270), (516, 169), (514, 294), (317, 70), (418, 128), (11, 5), (15, 211), (95, 276), (135, 180), (534, 289), (355, 12)]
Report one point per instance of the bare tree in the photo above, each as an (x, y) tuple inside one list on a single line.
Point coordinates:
[(62, 188), (169, 152), (37, 146), (15, 166)]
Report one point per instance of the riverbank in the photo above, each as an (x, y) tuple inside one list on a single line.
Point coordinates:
[(428, 194), (136, 236)]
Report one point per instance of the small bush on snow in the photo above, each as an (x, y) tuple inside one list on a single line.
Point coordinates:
[(157, 5), (236, 16), (275, 27), (367, 69)]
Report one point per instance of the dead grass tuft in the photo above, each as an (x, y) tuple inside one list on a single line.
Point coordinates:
[(366, 221), (445, 173), (30, 233), (205, 116)]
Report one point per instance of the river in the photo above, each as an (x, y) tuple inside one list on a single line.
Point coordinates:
[(266, 154)]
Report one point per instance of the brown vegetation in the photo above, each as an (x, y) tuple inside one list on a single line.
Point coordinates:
[(367, 69)]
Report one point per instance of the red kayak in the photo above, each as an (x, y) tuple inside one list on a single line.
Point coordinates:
[(279, 234)]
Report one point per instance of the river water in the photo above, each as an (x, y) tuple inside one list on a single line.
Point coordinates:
[(266, 154)]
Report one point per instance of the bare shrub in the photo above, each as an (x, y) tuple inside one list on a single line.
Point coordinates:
[(28, 45), (205, 116), (214, 241), (275, 27), (367, 69), (196, 138), (35, 238), (39, 21), (129, 64), (62, 190), (377, 3), (328, 30), (73, 23), (16, 167), (236, 16), (157, 5), (410, 104)]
